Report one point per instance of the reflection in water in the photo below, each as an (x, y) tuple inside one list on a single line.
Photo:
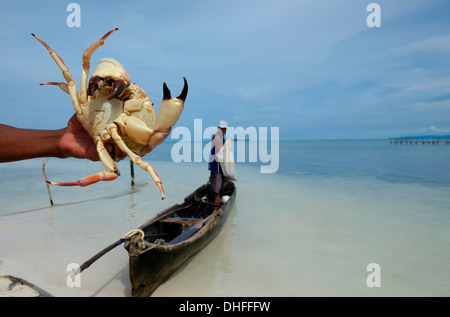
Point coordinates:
[(55, 206), (131, 195)]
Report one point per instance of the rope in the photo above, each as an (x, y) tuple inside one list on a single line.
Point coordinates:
[(141, 245), (132, 233), (158, 242)]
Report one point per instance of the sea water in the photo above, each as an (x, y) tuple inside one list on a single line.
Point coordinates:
[(311, 229)]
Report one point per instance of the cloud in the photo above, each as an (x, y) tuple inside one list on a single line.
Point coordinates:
[(290, 63), (438, 43), (432, 130), (434, 104)]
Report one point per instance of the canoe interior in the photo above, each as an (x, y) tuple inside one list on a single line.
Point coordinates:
[(181, 218)]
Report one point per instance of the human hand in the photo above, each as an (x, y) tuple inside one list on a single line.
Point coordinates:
[(76, 142)]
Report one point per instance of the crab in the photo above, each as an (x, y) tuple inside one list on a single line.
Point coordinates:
[(114, 110)]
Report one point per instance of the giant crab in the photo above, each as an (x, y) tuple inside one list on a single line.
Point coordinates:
[(114, 110)]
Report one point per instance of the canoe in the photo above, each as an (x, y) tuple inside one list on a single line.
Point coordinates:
[(173, 236)]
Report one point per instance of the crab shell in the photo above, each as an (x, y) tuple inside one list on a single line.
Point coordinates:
[(109, 72), (109, 67), (110, 92)]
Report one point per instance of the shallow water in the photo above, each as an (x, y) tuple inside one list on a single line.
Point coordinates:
[(311, 229)]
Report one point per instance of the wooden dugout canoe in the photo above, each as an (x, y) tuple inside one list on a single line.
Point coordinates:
[(173, 236)]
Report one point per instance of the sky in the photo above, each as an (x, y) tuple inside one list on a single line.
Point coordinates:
[(314, 69)]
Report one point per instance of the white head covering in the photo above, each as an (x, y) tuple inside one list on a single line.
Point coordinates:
[(223, 124)]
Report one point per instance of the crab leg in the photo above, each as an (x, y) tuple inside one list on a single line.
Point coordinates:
[(67, 75), (136, 159), (63, 86), (86, 64), (57, 59), (111, 174), (89, 180)]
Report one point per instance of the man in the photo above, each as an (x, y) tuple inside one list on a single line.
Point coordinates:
[(216, 177)]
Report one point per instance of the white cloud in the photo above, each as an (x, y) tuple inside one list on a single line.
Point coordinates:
[(435, 130), (439, 42), (311, 61), (434, 104)]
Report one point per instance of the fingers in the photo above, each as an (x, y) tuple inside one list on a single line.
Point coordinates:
[(115, 152), (78, 143), (84, 140)]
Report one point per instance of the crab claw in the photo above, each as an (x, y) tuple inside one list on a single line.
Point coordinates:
[(170, 109), (118, 86), (168, 113), (184, 92), (167, 95), (96, 82)]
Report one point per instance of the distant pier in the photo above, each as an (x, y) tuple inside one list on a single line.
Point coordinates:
[(433, 140)]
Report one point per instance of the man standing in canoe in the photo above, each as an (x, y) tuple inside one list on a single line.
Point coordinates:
[(216, 177)]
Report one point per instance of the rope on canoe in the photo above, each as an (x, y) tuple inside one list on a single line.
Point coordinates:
[(144, 246), (132, 233)]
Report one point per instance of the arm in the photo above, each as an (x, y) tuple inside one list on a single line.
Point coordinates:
[(217, 142), (20, 144)]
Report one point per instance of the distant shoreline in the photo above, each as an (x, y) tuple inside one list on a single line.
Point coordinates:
[(423, 137)]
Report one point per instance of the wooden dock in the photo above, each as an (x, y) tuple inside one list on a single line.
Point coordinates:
[(433, 140)]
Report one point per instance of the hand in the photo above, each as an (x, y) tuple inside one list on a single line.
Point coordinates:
[(76, 142)]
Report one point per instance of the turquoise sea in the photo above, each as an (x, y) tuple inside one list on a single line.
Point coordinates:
[(310, 229)]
